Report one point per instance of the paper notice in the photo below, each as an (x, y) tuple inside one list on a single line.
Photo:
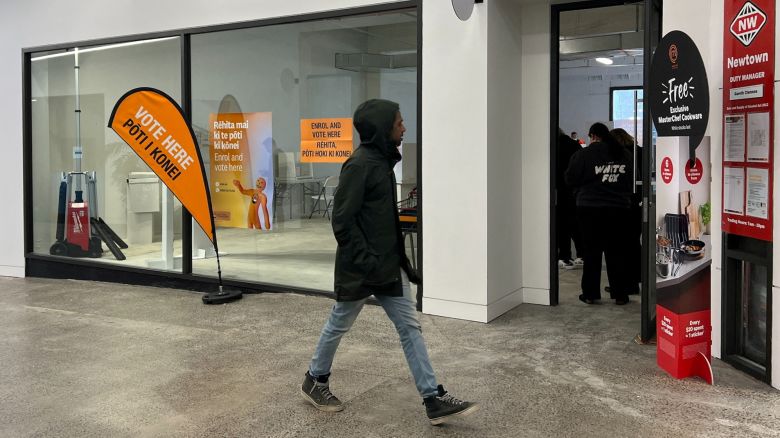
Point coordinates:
[(734, 126), (758, 137), (734, 190), (758, 193)]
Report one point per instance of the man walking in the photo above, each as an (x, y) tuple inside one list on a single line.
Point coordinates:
[(371, 260)]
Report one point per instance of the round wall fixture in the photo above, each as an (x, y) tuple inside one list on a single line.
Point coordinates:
[(288, 80), (464, 8)]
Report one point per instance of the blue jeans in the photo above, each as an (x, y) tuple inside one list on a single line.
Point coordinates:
[(403, 314)]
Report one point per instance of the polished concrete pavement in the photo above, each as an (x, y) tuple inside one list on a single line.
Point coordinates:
[(81, 359)]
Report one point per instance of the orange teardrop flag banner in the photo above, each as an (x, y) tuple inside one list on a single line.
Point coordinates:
[(153, 125)]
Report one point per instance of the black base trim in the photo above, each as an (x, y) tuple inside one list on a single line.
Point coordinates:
[(43, 266), (223, 296), (748, 367)]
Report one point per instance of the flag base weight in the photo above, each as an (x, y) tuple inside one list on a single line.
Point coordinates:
[(223, 296)]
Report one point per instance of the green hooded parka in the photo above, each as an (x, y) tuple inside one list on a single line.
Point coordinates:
[(370, 253)]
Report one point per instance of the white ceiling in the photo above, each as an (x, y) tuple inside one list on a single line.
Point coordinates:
[(613, 32)]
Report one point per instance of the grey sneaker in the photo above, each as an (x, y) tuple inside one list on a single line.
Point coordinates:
[(566, 264), (441, 407), (318, 394)]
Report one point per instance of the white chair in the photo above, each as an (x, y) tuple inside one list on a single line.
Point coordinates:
[(325, 195), (285, 166)]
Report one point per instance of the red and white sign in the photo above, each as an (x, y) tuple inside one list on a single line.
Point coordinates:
[(684, 343), (747, 23), (693, 174), (748, 117), (667, 170)]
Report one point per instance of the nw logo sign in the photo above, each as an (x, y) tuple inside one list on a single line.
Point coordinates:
[(748, 23)]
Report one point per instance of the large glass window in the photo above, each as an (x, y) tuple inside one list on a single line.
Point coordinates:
[(627, 111), (260, 97), (92, 196), (271, 110)]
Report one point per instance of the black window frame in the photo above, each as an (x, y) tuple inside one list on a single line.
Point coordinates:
[(47, 266)]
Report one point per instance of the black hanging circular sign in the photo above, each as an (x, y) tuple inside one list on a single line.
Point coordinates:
[(679, 92)]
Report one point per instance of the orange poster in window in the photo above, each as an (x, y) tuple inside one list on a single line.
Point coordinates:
[(326, 140), (241, 169), (153, 125)]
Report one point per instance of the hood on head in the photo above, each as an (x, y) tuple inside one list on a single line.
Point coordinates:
[(374, 120)]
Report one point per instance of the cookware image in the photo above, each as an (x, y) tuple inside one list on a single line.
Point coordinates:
[(692, 248), (676, 226)]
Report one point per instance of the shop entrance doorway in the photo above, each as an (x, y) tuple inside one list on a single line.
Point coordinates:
[(600, 60)]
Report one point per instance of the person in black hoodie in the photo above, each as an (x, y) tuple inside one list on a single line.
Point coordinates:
[(634, 237), (600, 174), (371, 260)]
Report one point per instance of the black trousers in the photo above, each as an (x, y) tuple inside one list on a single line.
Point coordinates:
[(607, 231), (635, 240), (566, 230)]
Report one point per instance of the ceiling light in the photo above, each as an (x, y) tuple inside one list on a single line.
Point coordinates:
[(605, 61), (95, 49)]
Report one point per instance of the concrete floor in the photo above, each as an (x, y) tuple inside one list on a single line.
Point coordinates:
[(93, 359)]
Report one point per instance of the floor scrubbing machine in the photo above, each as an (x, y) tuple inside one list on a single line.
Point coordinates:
[(80, 230)]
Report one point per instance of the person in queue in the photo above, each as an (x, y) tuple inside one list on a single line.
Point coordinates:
[(634, 236), (601, 176)]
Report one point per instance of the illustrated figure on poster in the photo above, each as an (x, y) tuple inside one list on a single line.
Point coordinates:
[(259, 201)]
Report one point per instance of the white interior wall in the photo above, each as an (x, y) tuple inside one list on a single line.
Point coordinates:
[(535, 140), (504, 158), (454, 161), (584, 94), (715, 132), (775, 331)]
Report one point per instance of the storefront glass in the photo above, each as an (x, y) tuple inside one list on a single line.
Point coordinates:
[(255, 95), (271, 110), (73, 93), (258, 95)]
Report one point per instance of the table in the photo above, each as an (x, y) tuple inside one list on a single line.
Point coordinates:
[(299, 182), (409, 228)]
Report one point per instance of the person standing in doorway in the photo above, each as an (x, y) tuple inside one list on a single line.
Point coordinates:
[(634, 236), (371, 260), (601, 177), (565, 210), (579, 141)]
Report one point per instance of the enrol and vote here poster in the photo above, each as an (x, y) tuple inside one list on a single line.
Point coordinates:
[(326, 140), (748, 117), (241, 169), (153, 125)]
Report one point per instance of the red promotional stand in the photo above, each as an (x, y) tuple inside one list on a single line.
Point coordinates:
[(683, 261), (684, 330)]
